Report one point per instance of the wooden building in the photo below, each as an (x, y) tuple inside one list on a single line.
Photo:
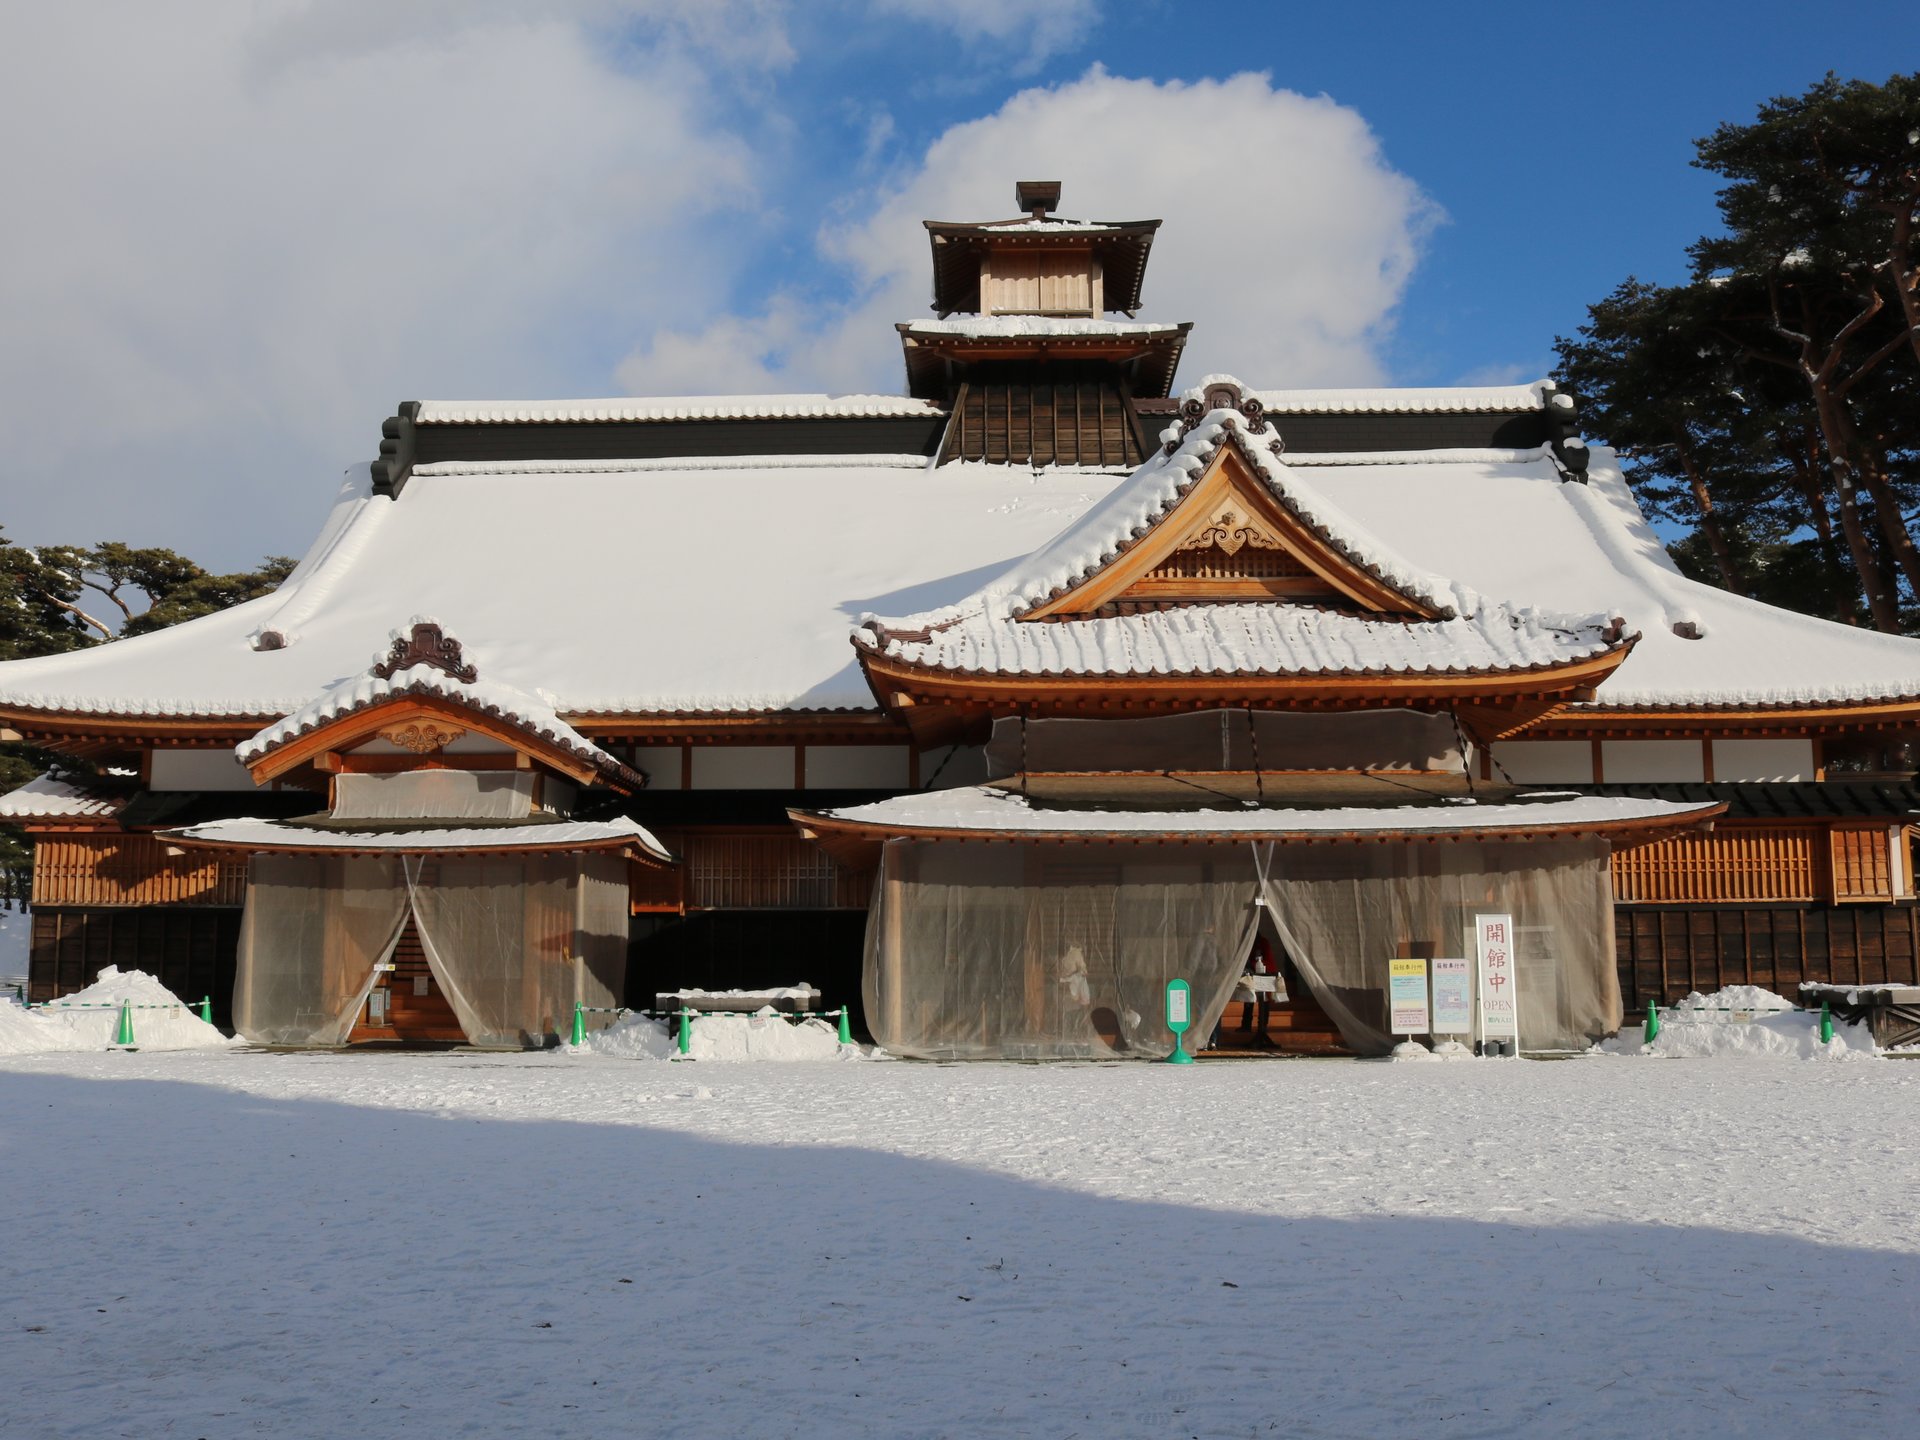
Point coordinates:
[(769, 634)]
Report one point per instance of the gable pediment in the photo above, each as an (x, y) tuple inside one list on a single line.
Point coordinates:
[(1229, 539), (425, 729)]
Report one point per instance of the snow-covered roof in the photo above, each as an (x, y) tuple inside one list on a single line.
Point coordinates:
[(989, 810), (1430, 400), (656, 587), (1250, 639), (252, 834), (46, 798), (522, 711), (725, 585), (683, 407), (1519, 529)]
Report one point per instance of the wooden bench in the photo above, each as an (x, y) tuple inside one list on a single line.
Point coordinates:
[(1891, 1012)]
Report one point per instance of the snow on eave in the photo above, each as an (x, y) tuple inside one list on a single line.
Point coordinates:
[(1251, 640), (257, 834), (1016, 327), (987, 810), (47, 798), (687, 407)]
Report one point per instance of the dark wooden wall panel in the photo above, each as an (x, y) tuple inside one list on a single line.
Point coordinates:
[(189, 949), (1666, 951)]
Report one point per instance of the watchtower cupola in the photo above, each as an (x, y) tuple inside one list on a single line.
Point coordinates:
[(1038, 263), (1022, 351)]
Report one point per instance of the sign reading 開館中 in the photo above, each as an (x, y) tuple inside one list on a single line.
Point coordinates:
[(1499, 1004)]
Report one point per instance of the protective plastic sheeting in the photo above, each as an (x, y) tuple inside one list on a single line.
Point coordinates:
[(315, 928), (1052, 952), (434, 794), (1227, 741), (1344, 911), (514, 941)]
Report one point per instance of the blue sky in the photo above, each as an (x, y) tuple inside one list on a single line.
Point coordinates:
[(263, 222)]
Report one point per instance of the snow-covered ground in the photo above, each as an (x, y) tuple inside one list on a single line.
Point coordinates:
[(226, 1243)]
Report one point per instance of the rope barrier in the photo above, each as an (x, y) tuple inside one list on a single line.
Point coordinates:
[(686, 1017)]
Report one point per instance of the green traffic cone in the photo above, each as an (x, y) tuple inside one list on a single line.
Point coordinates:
[(206, 1008), (125, 1035), (1826, 1023), (846, 1034), (1653, 1023), (579, 1024)]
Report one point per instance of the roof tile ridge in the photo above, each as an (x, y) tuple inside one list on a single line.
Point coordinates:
[(1605, 515), (282, 628)]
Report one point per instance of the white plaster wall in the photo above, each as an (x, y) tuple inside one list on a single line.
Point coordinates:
[(1763, 760), (660, 764), (198, 770), (1535, 762), (1622, 761), (743, 767), (858, 767)]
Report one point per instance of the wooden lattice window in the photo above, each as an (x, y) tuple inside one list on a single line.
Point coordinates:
[(132, 870), (765, 872), (1862, 863), (1733, 863)]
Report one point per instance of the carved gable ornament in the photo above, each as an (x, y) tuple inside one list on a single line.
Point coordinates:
[(426, 644), (422, 737), (1230, 531)]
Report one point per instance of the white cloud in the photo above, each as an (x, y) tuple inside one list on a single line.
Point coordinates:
[(1288, 239), (239, 234), (1028, 32)]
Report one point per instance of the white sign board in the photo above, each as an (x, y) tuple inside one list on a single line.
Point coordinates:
[(1407, 996), (1499, 1001), (1452, 997)]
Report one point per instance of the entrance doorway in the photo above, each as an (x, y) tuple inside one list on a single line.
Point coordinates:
[(406, 1005), (1275, 1013)]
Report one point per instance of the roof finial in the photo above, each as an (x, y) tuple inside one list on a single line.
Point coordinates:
[(1037, 197)]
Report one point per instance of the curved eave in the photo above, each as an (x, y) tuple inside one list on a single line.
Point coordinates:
[(856, 843), (1599, 720), (82, 725), (893, 679)]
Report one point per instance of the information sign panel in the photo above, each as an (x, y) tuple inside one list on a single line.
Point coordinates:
[(1407, 996), (1179, 1005), (1499, 1001), (1452, 997)]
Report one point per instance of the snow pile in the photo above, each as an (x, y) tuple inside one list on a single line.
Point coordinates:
[(93, 1015), (34, 1032), (763, 1035), (1742, 1020)]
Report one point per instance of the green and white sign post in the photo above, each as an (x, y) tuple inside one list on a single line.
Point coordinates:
[(1179, 1017)]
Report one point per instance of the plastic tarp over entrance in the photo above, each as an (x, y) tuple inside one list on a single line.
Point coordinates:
[(1030, 952), (1344, 911), (1042, 950), (513, 941)]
